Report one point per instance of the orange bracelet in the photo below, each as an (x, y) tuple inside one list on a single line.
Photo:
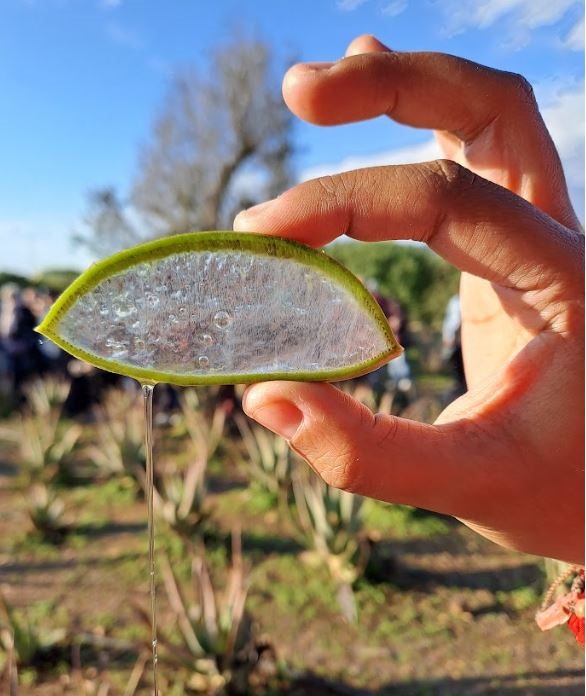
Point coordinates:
[(567, 608)]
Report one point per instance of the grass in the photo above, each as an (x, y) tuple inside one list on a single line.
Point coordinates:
[(295, 588), (426, 623), (401, 521)]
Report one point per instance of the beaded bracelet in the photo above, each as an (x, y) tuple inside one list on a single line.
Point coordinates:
[(567, 608)]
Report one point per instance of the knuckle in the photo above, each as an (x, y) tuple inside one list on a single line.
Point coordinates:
[(521, 89), (344, 465), (448, 180), (385, 429), (340, 469), (447, 171), (445, 182)]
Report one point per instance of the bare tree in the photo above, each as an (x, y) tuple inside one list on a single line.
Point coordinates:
[(107, 228), (221, 141)]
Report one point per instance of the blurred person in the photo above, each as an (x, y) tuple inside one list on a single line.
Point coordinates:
[(399, 370), (6, 319), (20, 343), (377, 380), (56, 360), (506, 458), (394, 377), (452, 347)]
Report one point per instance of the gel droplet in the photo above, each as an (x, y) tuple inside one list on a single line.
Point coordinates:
[(104, 310), (222, 319), (152, 301), (206, 339), (203, 361), (139, 343), (182, 312), (123, 310)]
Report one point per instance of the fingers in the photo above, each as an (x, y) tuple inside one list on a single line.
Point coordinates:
[(388, 458), (485, 118), (475, 225), (425, 90)]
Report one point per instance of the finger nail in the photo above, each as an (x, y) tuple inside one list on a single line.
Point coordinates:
[(367, 43), (244, 221), (381, 46), (281, 417)]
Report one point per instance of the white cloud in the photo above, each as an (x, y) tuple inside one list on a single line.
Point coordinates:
[(349, 5), (389, 8), (422, 152), (394, 8), (522, 15), (563, 113), (575, 39)]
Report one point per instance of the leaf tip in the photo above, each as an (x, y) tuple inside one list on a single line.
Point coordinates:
[(42, 329)]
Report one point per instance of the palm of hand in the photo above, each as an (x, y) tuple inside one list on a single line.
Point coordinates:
[(513, 358), (490, 335)]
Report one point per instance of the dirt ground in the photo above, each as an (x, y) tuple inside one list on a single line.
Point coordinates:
[(443, 612)]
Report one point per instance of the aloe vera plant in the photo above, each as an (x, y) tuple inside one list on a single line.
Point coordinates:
[(47, 512), (180, 498), (214, 637), (267, 458), (45, 442), (118, 446), (24, 641), (363, 392), (330, 522), (203, 419)]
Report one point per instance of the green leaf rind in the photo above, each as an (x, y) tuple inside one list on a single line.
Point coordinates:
[(217, 241)]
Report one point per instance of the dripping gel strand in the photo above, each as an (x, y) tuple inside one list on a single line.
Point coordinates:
[(147, 390)]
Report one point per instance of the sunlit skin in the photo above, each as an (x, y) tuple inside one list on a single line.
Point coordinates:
[(507, 458)]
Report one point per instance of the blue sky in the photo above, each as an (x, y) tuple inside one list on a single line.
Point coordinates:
[(82, 81)]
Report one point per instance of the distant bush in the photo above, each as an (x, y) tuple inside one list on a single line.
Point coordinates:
[(14, 279), (417, 278), (55, 280)]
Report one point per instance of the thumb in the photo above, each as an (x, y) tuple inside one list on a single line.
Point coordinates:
[(380, 456)]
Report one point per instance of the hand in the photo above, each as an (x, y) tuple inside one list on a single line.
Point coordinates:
[(507, 457)]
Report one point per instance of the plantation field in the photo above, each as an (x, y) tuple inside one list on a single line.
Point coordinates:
[(268, 583)]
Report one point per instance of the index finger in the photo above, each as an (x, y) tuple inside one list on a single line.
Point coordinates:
[(474, 224)]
